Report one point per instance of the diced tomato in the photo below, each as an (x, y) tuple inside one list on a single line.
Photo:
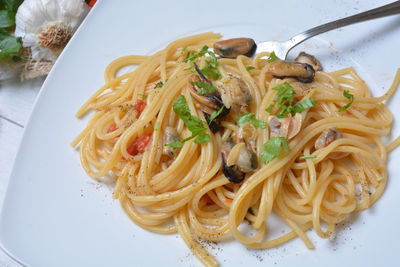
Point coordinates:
[(139, 106), (206, 199), (139, 144), (228, 200), (112, 128), (91, 2)]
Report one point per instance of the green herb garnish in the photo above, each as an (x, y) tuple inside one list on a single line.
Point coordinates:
[(249, 68), (272, 57), (194, 124), (159, 84), (350, 97), (284, 97), (215, 114), (249, 118), (273, 148), (307, 157), (211, 67), (205, 88)]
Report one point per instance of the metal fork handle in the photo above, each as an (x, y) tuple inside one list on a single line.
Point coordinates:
[(390, 9)]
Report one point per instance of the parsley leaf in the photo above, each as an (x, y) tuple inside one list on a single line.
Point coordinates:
[(202, 138), (284, 97), (272, 57), (7, 18), (273, 148), (215, 114), (249, 68), (194, 124), (304, 105), (249, 118), (285, 93), (159, 84), (350, 97), (211, 67), (205, 88), (175, 144), (307, 157)]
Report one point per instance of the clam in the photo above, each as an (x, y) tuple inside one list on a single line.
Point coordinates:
[(235, 47), (170, 135), (326, 138), (237, 160), (302, 72), (303, 57), (235, 93), (208, 102), (287, 127)]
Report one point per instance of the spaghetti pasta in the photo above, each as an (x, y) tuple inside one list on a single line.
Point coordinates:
[(152, 130)]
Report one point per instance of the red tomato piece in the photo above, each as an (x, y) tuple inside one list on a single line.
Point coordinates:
[(112, 128), (139, 106), (139, 144)]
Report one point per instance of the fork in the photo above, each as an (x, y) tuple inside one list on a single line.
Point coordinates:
[(281, 49)]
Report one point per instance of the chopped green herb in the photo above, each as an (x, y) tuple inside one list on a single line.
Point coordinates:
[(304, 105), (156, 126), (159, 84), (202, 138), (273, 148), (194, 124), (211, 67), (350, 97), (272, 57), (215, 114), (249, 68), (269, 108), (307, 157), (205, 88), (285, 93), (249, 118), (175, 144), (284, 97)]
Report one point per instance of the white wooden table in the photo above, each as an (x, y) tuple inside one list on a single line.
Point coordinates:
[(16, 102)]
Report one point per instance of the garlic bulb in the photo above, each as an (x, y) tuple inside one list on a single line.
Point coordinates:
[(46, 26)]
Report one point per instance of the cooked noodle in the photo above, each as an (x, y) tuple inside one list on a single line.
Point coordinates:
[(188, 193)]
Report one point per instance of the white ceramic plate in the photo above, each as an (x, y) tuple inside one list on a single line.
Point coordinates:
[(55, 215)]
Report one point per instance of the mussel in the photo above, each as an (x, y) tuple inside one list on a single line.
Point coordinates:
[(302, 72), (235, 47), (303, 57)]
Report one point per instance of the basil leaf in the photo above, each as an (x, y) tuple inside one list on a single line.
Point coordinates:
[(273, 148), (7, 18), (9, 46), (346, 94), (248, 118)]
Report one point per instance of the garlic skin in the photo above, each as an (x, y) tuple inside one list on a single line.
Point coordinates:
[(46, 26)]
